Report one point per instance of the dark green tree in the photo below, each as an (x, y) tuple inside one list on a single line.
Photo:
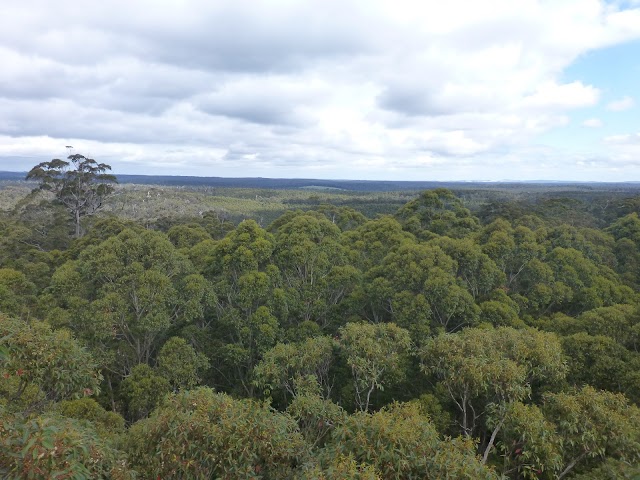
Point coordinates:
[(437, 212), (81, 184)]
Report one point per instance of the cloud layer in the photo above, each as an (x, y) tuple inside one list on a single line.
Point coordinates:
[(349, 89)]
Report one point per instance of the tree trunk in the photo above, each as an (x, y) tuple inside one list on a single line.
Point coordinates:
[(77, 219)]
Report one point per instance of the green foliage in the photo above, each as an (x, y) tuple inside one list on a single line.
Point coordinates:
[(612, 470), (437, 212), (126, 293), (251, 334), (401, 444), (594, 425), (510, 248), (429, 406), (615, 322), (402, 287), (376, 355), (311, 261), (180, 364), (476, 271), (598, 361), (244, 249), (143, 390), (292, 366), (452, 306), (49, 362), (345, 218), (491, 366), (248, 296), (16, 293), (36, 228), (102, 229), (500, 314), (591, 286), (316, 417), (371, 242), (201, 435), (322, 313), (528, 444), (341, 468), (106, 423), (54, 447), (626, 227), (186, 236)]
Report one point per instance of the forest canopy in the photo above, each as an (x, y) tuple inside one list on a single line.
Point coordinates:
[(435, 341)]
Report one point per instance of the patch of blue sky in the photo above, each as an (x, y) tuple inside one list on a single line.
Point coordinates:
[(623, 4), (615, 72)]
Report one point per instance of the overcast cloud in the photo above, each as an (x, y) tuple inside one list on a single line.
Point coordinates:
[(328, 89)]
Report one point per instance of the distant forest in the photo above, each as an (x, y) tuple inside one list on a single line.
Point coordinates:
[(353, 185), (205, 328)]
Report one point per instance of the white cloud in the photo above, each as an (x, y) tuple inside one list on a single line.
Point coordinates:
[(625, 150), (625, 103), (593, 123), (282, 86), (624, 139), (550, 95)]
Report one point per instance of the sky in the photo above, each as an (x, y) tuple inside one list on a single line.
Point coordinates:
[(336, 89)]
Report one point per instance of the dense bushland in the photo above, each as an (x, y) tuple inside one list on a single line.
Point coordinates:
[(436, 342)]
